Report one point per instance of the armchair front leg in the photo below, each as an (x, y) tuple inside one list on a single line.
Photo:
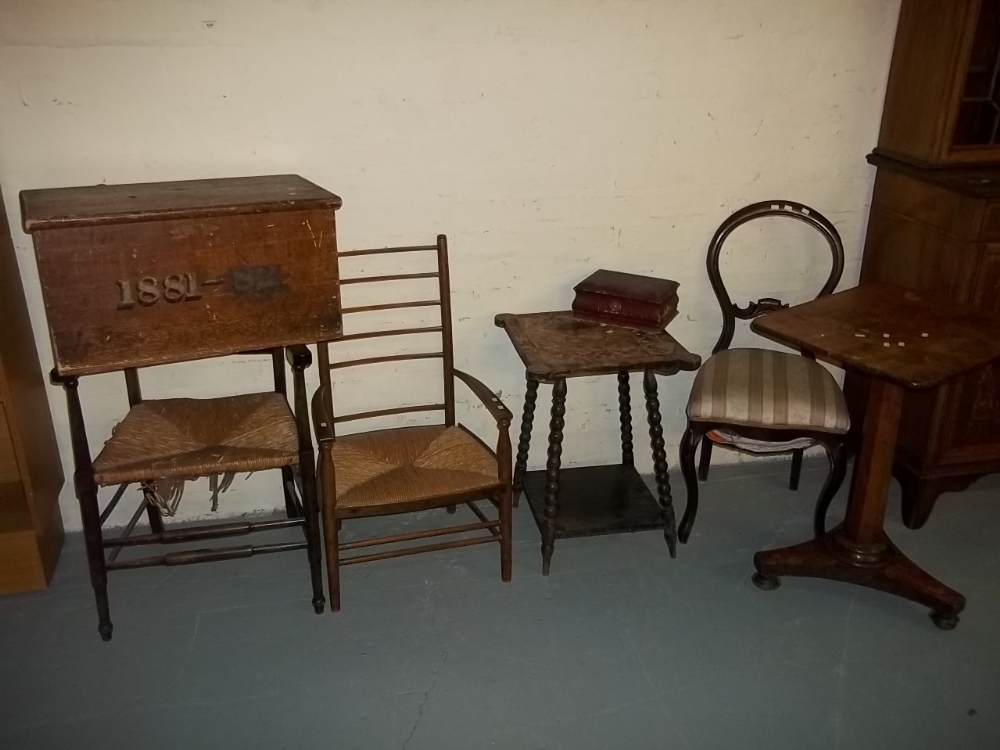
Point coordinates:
[(300, 359), (503, 418)]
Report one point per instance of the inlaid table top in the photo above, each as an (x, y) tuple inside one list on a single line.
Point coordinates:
[(559, 344), (898, 335)]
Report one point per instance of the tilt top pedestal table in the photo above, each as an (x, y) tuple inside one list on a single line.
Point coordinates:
[(903, 341)]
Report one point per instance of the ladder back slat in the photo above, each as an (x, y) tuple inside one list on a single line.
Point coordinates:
[(388, 358), (390, 277), (387, 412), (393, 332), (385, 250), (391, 306)]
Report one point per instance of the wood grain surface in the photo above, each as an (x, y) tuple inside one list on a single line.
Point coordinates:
[(898, 335), (156, 292), (560, 345), (95, 205)]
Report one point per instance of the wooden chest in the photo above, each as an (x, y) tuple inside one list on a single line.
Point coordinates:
[(148, 274)]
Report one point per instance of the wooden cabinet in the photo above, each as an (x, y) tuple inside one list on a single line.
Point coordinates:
[(938, 230), (935, 226), (942, 104), (31, 531)]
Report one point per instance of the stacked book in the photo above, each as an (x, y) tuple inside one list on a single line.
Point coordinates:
[(627, 299)]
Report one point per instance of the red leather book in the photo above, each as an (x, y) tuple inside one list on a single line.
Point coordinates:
[(627, 299)]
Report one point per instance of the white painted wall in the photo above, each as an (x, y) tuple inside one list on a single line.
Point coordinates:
[(547, 138)]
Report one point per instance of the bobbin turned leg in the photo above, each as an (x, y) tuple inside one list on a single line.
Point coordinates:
[(660, 468), (625, 412), (556, 425), (524, 440)]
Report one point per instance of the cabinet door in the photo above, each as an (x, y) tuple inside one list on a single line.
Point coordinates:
[(973, 428)]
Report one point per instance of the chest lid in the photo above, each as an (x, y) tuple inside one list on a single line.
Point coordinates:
[(96, 205)]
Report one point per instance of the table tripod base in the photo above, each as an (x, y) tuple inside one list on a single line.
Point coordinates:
[(878, 566)]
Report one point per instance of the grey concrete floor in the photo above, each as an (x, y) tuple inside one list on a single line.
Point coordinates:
[(620, 647)]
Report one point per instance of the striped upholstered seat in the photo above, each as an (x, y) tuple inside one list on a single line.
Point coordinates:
[(769, 389)]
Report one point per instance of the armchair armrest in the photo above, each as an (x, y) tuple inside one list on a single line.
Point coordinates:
[(322, 419), (490, 400), (298, 356)]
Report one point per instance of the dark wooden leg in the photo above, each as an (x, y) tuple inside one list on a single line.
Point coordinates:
[(524, 440), (706, 460), (689, 446), (451, 509), (837, 456), (660, 468), (86, 492), (793, 480), (858, 551), (331, 527), (288, 487), (506, 537), (625, 411), (311, 511), (154, 516), (556, 425), (505, 506)]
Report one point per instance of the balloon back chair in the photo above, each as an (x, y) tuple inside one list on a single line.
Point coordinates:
[(761, 401)]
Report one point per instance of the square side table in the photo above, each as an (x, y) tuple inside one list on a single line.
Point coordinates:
[(593, 500)]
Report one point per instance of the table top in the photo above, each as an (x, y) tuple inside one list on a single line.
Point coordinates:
[(908, 338), (559, 344)]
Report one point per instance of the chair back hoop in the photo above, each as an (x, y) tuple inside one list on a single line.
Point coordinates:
[(446, 352), (790, 209)]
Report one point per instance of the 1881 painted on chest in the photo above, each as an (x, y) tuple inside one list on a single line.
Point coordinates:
[(175, 267)]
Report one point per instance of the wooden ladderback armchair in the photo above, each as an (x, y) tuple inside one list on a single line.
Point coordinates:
[(412, 468), (140, 275), (761, 401)]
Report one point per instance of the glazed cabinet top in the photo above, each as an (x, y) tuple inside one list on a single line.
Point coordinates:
[(942, 103)]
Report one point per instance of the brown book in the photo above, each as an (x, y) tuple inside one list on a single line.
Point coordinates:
[(627, 299)]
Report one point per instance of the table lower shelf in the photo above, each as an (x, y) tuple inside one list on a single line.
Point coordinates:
[(596, 500)]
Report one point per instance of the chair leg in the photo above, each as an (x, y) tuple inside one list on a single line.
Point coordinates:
[(506, 549), (331, 533), (660, 468), (451, 509), (838, 470), (331, 530), (91, 516), (688, 448), (524, 439), (706, 460), (311, 512), (155, 518), (288, 487), (793, 480)]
